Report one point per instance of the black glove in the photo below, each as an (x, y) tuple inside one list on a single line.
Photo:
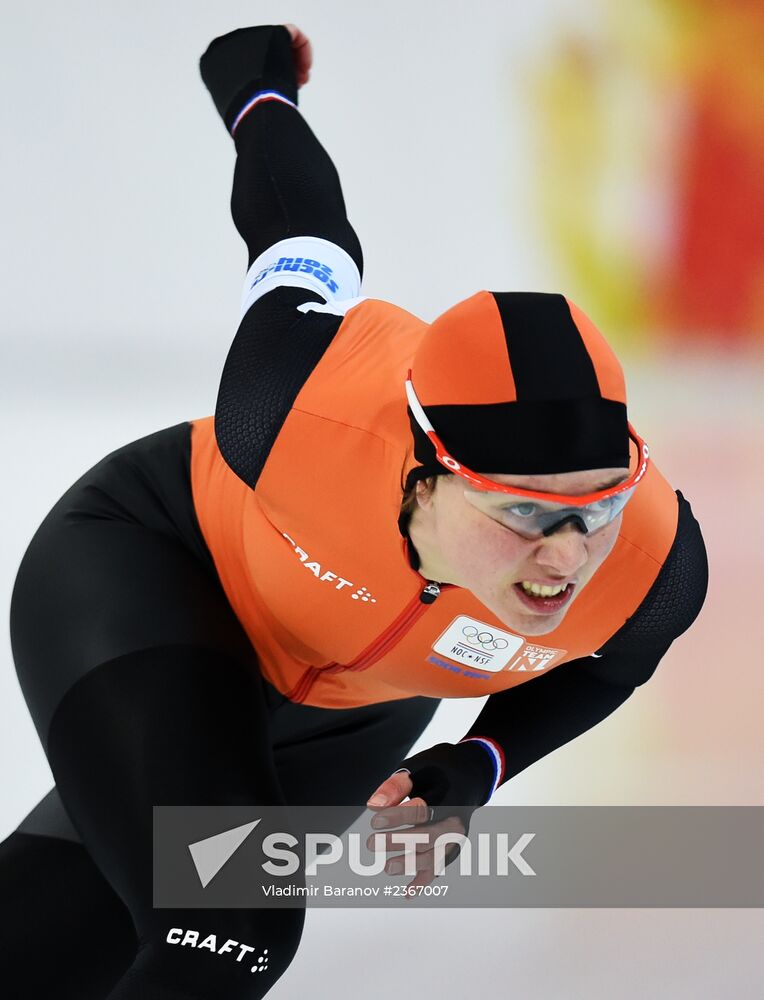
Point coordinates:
[(451, 774), (453, 779), (237, 65)]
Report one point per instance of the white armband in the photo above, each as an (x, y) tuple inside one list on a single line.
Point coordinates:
[(303, 262)]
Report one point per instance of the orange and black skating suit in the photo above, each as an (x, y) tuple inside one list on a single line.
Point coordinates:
[(225, 612)]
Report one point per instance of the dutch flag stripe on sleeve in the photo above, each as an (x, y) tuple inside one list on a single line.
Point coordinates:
[(497, 756)]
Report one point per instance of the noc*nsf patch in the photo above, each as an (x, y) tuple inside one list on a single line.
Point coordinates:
[(475, 644)]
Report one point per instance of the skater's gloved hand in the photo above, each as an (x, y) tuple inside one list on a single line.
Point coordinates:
[(444, 785), (237, 65)]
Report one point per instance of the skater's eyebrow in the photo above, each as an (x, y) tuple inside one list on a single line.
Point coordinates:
[(613, 482)]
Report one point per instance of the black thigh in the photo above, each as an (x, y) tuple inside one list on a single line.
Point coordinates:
[(118, 565)]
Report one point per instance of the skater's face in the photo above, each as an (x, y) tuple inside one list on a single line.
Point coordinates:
[(460, 543)]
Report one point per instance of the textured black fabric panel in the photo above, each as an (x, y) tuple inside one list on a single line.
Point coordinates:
[(547, 355), (673, 602), (64, 932), (535, 718), (236, 65), (285, 184), (273, 354)]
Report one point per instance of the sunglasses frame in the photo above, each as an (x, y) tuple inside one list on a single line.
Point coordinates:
[(449, 462)]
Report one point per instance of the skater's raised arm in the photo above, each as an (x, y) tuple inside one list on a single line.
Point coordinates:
[(287, 205), (285, 184)]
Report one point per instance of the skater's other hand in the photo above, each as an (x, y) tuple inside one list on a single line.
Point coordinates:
[(302, 53)]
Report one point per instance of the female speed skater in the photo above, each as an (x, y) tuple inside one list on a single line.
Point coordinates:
[(265, 606)]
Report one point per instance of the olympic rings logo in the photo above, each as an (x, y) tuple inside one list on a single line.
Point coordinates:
[(484, 639)]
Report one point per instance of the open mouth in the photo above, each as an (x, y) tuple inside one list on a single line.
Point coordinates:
[(545, 600)]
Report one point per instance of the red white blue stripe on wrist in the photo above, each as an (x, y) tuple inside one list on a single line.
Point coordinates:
[(497, 756), (258, 98)]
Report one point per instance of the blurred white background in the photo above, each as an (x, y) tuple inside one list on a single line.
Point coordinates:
[(122, 274)]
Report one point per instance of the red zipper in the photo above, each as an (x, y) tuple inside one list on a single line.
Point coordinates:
[(379, 648)]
